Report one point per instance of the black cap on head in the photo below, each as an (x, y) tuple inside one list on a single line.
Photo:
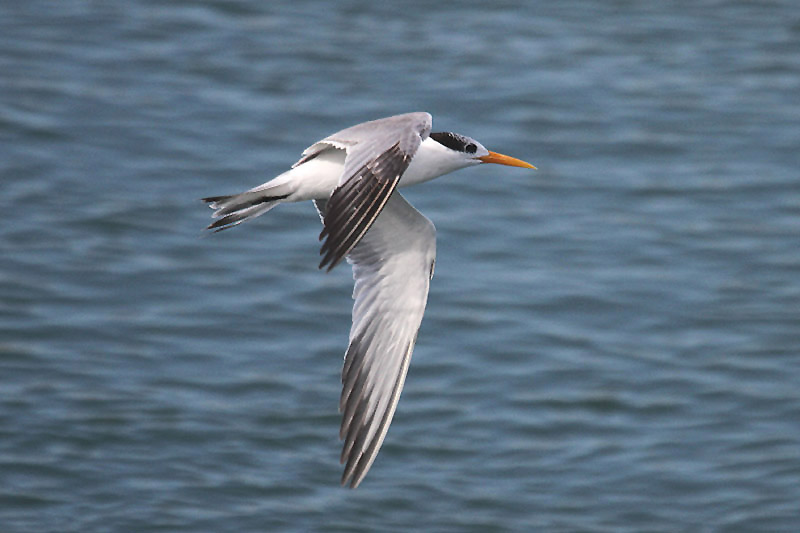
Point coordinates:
[(454, 141)]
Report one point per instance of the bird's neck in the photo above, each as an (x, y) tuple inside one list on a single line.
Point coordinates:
[(431, 161)]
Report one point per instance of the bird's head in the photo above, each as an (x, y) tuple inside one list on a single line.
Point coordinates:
[(466, 151)]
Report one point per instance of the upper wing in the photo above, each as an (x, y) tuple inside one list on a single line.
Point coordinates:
[(378, 152), (392, 268)]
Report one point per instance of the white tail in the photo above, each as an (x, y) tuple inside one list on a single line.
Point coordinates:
[(235, 209)]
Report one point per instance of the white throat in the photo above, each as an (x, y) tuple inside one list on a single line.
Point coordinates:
[(433, 160)]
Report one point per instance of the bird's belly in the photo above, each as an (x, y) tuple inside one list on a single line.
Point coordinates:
[(317, 178)]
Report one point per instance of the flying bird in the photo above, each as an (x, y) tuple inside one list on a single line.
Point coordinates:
[(351, 177)]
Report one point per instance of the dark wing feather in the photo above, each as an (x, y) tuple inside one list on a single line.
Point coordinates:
[(354, 205), (392, 266)]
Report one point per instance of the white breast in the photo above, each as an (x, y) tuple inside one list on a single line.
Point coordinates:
[(431, 161)]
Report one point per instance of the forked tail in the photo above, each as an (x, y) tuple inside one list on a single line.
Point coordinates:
[(232, 210)]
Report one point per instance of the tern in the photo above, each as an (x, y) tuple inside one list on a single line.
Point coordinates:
[(351, 177)]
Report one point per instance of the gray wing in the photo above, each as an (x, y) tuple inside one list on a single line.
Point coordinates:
[(378, 153), (392, 268)]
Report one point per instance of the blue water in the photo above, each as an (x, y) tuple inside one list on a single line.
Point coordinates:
[(612, 343)]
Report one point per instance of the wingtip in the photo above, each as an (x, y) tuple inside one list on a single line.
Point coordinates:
[(348, 483), (324, 265), (349, 477), (328, 261)]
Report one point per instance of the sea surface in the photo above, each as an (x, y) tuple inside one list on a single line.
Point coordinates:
[(612, 342)]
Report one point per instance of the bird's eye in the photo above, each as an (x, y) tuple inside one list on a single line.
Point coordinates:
[(471, 148)]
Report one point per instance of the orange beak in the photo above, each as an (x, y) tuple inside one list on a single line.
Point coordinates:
[(501, 159)]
